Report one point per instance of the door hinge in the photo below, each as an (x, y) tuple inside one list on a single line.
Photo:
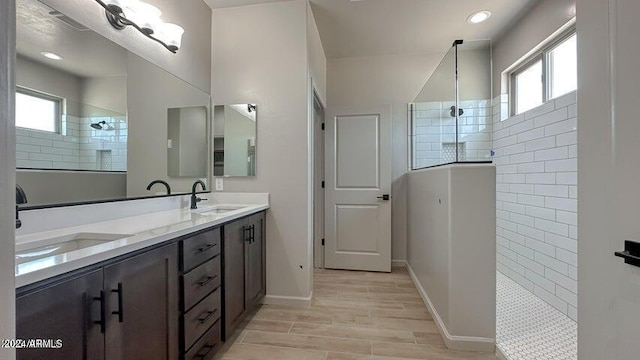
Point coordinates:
[(322, 126), (322, 242), (323, 184)]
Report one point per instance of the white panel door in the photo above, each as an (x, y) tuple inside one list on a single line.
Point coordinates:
[(358, 176)]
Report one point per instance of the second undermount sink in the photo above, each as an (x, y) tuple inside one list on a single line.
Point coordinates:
[(62, 245), (218, 209)]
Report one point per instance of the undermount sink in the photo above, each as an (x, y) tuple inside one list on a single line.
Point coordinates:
[(219, 209), (62, 245)]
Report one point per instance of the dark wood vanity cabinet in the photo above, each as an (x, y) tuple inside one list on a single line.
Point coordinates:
[(201, 295), (66, 311), (244, 269), (142, 306), (125, 310), (177, 301)]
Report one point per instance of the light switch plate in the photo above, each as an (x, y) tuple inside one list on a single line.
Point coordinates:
[(219, 184)]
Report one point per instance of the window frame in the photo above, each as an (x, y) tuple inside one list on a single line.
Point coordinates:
[(541, 54), (59, 108)]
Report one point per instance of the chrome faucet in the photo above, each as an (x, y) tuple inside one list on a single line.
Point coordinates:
[(159, 182), (21, 198), (194, 199)]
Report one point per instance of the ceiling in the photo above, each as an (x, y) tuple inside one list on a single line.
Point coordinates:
[(388, 27), (85, 53), (391, 27), (216, 4)]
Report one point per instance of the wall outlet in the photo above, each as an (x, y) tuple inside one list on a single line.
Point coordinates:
[(219, 184)]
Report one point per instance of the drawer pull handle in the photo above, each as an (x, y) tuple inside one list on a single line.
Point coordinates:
[(207, 247), (201, 355), (207, 280), (208, 316)]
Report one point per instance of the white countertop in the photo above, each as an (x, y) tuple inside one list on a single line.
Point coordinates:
[(144, 230)]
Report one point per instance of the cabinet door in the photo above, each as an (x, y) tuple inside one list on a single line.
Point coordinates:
[(142, 304), (66, 311), (235, 237), (256, 286)]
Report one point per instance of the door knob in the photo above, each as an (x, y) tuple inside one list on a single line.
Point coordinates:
[(385, 197)]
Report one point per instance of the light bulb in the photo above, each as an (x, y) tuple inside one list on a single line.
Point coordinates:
[(170, 34), (146, 16)]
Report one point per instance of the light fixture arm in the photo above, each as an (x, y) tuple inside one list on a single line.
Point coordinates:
[(115, 16)]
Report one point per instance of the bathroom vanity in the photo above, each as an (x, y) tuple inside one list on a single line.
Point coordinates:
[(168, 292)]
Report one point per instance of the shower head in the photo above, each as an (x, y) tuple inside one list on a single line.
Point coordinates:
[(98, 125), (102, 125), (251, 108)]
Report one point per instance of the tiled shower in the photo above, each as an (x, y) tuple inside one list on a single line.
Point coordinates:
[(456, 118), (77, 146)]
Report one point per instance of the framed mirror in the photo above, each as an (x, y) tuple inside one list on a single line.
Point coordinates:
[(235, 140), (93, 119)]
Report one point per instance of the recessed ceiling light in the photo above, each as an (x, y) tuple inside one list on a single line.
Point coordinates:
[(52, 56), (479, 17)]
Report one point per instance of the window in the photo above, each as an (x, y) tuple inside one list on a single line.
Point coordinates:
[(37, 111), (551, 73)]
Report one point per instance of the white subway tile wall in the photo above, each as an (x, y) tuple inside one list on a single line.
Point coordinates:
[(536, 164), (434, 130), (76, 147)]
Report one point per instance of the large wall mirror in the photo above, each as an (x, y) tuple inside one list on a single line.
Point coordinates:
[(234, 141), (95, 121)]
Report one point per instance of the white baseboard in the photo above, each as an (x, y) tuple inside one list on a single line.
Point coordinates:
[(500, 355), (467, 343), (303, 302), (398, 263)]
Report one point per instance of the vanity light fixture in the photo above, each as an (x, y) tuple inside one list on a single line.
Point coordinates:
[(145, 18), (479, 16)]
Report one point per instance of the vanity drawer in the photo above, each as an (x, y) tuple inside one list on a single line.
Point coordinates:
[(199, 319), (200, 248), (200, 282), (206, 347)]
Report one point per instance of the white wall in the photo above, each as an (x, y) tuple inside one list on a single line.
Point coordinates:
[(7, 175), (266, 63), (540, 22), (54, 187), (451, 249), (536, 160), (384, 80), (37, 76), (192, 62), (317, 58), (608, 173), (151, 91), (109, 93), (474, 72)]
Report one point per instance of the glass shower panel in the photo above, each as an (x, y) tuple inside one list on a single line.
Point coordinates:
[(433, 122), (475, 115)]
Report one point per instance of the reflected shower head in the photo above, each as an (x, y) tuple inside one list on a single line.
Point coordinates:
[(102, 125), (98, 125)]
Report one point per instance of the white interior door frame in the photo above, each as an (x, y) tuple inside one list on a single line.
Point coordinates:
[(318, 178)]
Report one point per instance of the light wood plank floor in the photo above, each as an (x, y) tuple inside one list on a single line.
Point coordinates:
[(353, 316)]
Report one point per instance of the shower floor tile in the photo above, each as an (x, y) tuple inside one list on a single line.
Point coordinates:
[(527, 328)]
